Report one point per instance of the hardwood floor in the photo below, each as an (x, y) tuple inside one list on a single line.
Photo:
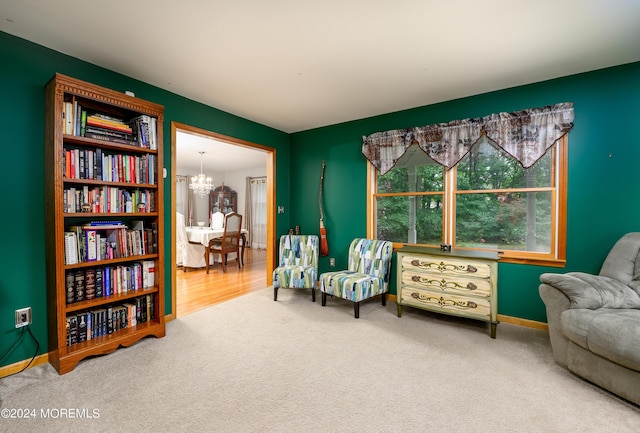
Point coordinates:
[(196, 289)]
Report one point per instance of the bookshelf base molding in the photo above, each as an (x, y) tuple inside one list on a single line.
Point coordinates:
[(66, 359)]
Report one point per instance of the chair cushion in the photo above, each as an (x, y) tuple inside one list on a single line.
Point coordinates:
[(352, 286), (295, 277)]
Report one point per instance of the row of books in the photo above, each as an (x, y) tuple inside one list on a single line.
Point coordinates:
[(108, 199), (92, 283), (105, 321), (88, 243), (96, 164), (140, 131)]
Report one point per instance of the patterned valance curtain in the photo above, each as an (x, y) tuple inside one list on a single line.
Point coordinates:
[(525, 135)]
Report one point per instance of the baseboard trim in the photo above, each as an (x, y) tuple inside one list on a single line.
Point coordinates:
[(10, 369), (523, 322)]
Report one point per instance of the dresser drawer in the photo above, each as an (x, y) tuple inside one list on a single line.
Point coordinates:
[(461, 305), (461, 285), (447, 266)]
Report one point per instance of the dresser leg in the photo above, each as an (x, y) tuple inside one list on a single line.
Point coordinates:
[(493, 329), (399, 310)]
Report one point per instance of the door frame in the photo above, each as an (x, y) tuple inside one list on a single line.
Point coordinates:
[(271, 194)]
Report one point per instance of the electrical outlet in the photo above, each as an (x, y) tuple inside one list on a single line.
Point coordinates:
[(23, 317), (332, 262)]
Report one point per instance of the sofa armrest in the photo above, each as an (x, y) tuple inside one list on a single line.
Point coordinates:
[(556, 302), (592, 291)]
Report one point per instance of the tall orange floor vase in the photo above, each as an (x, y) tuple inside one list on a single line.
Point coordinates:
[(324, 245)]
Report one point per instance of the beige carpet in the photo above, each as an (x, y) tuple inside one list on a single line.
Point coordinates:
[(254, 365)]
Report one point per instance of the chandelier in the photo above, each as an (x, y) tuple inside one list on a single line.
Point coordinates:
[(199, 184)]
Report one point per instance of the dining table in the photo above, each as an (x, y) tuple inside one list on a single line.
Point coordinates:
[(202, 235)]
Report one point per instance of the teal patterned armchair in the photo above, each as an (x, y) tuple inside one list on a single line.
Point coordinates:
[(367, 274), (298, 266)]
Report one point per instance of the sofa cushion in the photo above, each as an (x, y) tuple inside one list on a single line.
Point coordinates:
[(613, 334), (616, 336), (593, 291), (575, 324), (623, 259)]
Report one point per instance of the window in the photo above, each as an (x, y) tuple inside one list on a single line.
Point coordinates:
[(487, 201)]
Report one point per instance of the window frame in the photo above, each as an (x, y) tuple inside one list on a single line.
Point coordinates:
[(557, 255)]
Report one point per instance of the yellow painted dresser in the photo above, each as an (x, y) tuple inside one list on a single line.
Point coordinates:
[(460, 283)]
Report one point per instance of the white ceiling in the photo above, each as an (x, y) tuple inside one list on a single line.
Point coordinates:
[(296, 65)]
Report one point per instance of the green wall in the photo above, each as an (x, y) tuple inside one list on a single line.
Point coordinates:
[(603, 183), (26, 68)]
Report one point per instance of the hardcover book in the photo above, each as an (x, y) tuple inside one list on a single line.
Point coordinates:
[(90, 284), (92, 245), (99, 283), (70, 282), (79, 285), (82, 328), (72, 324)]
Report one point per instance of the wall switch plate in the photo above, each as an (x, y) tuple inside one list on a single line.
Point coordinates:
[(332, 262), (23, 317), (280, 209)]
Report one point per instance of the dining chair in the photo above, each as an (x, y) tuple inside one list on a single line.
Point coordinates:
[(217, 220), (228, 243)]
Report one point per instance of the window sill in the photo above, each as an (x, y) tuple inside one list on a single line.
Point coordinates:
[(556, 263)]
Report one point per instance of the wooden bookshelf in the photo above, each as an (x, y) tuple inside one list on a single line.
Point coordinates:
[(112, 174)]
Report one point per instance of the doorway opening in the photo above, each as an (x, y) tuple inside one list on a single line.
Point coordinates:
[(220, 147)]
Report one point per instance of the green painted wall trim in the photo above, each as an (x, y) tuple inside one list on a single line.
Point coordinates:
[(26, 68), (604, 150)]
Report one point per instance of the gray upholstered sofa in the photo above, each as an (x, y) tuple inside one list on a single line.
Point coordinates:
[(594, 320)]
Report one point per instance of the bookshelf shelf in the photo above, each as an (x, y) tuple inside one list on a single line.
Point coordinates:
[(103, 153), (92, 142), (103, 215), (105, 300), (107, 183), (108, 262)]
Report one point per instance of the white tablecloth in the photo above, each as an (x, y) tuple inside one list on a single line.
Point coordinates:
[(203, 235)]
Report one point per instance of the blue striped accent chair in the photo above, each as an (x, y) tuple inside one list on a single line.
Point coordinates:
[(367, 274), (298, 266)]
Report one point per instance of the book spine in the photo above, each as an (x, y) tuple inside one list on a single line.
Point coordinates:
[(90, 284), (70, 286), (79, 285)]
